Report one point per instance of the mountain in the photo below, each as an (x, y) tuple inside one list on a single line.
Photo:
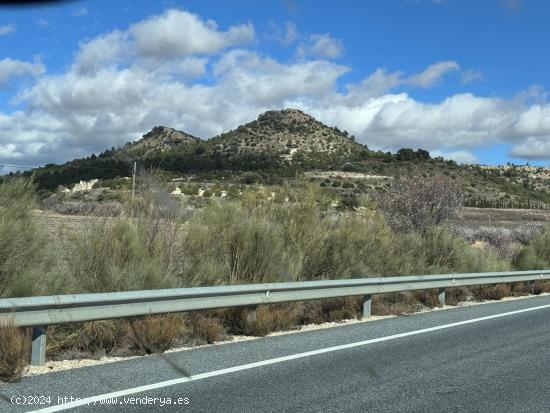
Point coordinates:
[(283, 144), (286, 132), (159, 139)]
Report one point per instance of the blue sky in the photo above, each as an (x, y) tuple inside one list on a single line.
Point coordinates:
[(464, 79)]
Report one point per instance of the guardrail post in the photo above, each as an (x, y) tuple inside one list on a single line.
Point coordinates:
[(442, 296), (367, 301), (38, 355)]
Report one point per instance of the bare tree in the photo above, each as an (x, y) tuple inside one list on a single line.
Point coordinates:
[(418, 204)]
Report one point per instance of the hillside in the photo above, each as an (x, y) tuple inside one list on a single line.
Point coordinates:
[(286, 144), (159, 139), (286, 132)]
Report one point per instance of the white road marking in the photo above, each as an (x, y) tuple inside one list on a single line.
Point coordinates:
[(167, 383)]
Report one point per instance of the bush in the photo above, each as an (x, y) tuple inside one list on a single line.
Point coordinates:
[(228, 245), (453, 296), (490, 292), (394, 303), (96, 338), (331, 310), (153, 334), (120, 255), (536, 254), (437, 251), (25, 257), (204, 328), (14, 351), (419, 204)]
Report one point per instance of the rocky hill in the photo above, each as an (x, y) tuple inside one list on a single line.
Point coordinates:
[(284, 144), (286, 133), (159, 139)]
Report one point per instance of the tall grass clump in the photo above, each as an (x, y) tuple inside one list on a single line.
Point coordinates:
[(438, 251), (14, 351), (25, 258), (119, 255), (226, 244), (536, 254)]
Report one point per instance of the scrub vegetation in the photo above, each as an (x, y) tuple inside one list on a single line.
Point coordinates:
[(297, 235)]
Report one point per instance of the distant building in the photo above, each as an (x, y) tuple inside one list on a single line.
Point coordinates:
[(84, 185)]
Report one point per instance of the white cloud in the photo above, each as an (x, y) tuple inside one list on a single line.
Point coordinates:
[(7, 29), (382, 81), (432, 74), (115, 91), (10, 68), (179, 33), (462, 157), (100, 51), (321, 46)]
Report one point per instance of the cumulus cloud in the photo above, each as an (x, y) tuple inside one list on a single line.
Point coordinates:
[(382, 81), (7, 29), (115, 91), (100, 51), (322, 46), (179, 33), (10, 68)]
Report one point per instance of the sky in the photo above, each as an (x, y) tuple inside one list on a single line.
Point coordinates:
[(467, 80)]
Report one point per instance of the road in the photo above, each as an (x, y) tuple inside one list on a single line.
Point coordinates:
[(482, 358)]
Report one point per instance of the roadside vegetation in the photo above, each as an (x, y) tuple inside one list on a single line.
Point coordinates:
[(297, 235)]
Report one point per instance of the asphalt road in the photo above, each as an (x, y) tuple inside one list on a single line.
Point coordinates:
[(483, 358)]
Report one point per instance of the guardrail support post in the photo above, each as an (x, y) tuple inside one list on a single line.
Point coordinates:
[(367, 301), (442, 296), (38, 355)]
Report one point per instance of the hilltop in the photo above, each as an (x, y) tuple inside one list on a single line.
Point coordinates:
[(288, 144), (286, 132), (159, 139)]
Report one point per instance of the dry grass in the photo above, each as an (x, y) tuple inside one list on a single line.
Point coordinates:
[(205, 328), (321, 311), (539, 287), (394, 304), (490, 292), (276, 318), (95, 339), (14, 351), (453, 296), (268, 318), (153, 333)]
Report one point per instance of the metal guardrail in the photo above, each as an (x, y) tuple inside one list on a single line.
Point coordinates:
[(39, 312)]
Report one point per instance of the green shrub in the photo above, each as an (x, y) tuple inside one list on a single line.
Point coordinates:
[(25, 256), (120, 255), (536, 254), (224, 244)]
